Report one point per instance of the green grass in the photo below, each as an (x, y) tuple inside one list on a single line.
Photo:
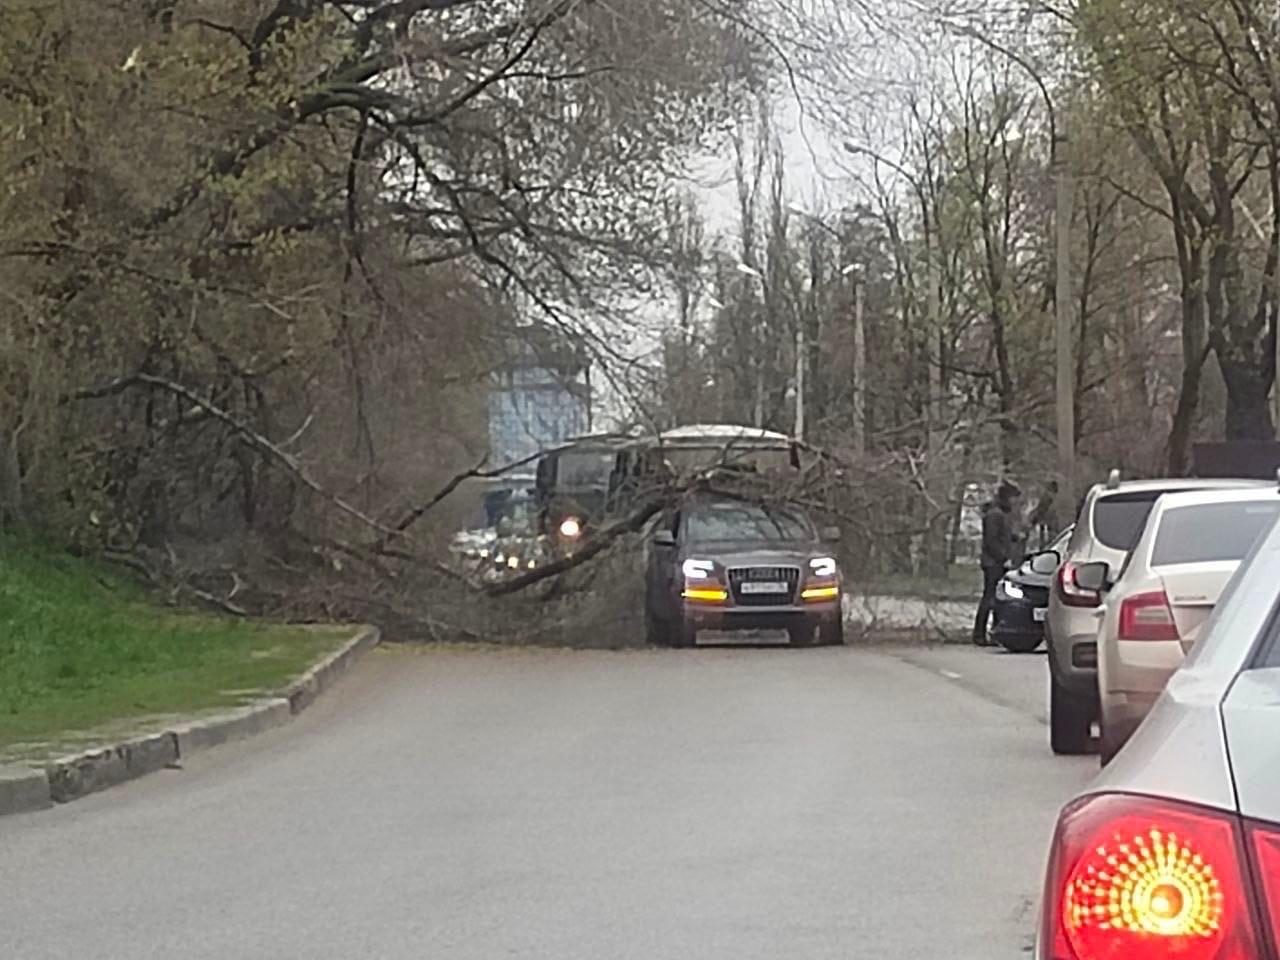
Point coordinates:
[(81, 647)]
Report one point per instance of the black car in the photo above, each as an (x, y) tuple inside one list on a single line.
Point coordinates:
[(722, 563), (1022, 599)]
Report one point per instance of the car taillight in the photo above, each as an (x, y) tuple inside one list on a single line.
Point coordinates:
[(1266, 853), (1147, 616), (1073, 595), (1133, 878)]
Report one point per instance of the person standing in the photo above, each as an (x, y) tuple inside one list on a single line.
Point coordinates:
[(1042, 520), (999, 541)]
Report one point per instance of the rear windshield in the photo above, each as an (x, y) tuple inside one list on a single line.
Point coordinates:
[(1212, 531), (1118, 519)]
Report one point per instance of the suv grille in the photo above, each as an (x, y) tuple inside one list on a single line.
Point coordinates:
[(742, 575)]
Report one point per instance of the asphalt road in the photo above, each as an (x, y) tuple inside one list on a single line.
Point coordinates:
[(479, 804)]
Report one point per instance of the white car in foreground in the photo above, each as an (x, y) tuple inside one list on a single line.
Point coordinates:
[(1174, 851)]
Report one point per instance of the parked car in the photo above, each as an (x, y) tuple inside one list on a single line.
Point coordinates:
[(1154, 611), (1110, 521), (722, 563), (1174, 851), (1022, 598)]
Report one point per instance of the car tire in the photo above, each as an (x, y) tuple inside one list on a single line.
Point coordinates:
[(1069, 722), (1110, 740), (657, 632), (1108, 747), (682, 634), (802, 636), (831, 633), (1019, 642)]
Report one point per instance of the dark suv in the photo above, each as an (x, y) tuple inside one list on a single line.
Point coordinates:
[(720, 563)]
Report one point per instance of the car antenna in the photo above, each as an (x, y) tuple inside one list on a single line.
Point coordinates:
[(1113, 479)]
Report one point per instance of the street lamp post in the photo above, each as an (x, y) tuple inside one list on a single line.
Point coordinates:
[(859, 360)]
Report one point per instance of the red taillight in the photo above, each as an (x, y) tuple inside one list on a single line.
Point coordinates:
[(1132, 878), (1147, 616), (1073, 595), (1266, 853)]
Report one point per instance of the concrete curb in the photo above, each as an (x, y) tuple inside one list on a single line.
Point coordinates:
[(24, 789), (303, 691)]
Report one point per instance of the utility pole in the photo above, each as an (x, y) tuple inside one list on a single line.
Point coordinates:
[(1064, 346), (800, 365), (859, 367)]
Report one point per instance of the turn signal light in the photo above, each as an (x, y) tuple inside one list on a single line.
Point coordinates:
[(824, 591), (1147, 616), (1072, 594), (1132, 878), (706, 594), (1266, 852)]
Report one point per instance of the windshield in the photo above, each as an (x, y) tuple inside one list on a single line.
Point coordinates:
[(742, 521), (686, 459), (1211, 532), (584, 469)]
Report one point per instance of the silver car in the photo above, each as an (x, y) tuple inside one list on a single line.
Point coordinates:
[(1174, 851), (1110, 521), (1157, 608)]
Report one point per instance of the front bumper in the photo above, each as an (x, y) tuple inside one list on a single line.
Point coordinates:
[(729, 617), (1017, 618)]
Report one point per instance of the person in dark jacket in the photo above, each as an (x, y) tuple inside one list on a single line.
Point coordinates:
[(999, 541)]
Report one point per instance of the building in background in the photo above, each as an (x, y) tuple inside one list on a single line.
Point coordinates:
[(539, 397)]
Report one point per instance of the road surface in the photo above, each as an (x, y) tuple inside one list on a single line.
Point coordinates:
[(656, 805)]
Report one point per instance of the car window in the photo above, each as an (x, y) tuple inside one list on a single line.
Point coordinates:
[(582, 469), (1118, 519), (1211, 532), (746, 521)]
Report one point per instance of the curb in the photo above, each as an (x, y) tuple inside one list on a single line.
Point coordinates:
[(24, 789)]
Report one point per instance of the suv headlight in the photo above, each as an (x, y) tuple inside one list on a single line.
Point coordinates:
[(1011, 590), (698, 569), (823, 566)]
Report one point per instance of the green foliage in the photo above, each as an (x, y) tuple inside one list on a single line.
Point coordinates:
[(265, 208), (81, 646)]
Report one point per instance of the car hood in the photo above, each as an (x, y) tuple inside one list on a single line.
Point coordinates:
[(736, 553)]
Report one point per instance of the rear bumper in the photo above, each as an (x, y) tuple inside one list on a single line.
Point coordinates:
[(1139, 669), (1072, 635)]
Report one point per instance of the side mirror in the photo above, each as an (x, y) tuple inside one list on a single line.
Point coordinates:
[(1093, 576), (1046, 562), (830, 534), (664, 538)]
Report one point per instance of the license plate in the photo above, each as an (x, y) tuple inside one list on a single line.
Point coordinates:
[(1039, 613), (764, 586)]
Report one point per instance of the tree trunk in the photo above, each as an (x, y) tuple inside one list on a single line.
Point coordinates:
[(1184, 415), (1248, 399)]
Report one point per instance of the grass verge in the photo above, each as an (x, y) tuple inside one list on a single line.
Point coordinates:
[(81, 647)]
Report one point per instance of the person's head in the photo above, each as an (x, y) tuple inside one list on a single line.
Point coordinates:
[(1007, 493), (1051, 487)]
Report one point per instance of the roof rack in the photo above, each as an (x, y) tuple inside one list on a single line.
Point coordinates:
[(1113, 479)]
